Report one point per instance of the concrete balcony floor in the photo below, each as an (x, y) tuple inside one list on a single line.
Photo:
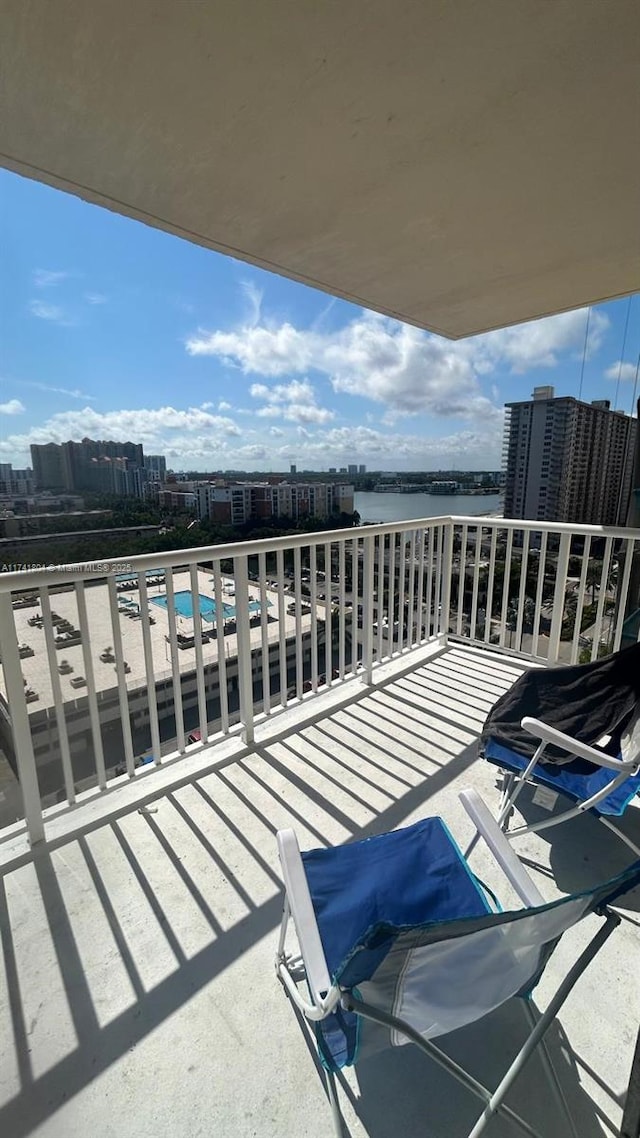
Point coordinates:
[(137, 993)]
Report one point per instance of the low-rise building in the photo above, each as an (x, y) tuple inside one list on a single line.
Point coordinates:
[(235, 503)]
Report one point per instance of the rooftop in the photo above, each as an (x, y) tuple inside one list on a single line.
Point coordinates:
[(139, 994), (36, 669)]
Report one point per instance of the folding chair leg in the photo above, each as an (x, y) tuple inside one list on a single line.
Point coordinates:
[(327, 1077), (618, 833), (594, 946), (551, 1072), (443, 1060), (332, 1095), (494, 1101), (508, 783), (513, 786)]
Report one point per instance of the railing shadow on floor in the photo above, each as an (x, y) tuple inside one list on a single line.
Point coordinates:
[(114, 878)]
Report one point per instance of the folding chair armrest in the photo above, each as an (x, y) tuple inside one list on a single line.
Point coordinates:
[(582, 750), (508, 861), (304, 918)]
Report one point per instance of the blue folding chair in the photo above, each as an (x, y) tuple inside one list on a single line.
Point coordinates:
[(398, 943), (595, 764)]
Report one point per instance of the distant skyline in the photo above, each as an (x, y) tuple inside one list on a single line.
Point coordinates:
[(111, 329)]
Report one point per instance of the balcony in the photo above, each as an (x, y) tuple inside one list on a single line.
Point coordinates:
[(140, 899)]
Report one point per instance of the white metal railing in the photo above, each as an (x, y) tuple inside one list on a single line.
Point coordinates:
[(556, 592), (278, 621)]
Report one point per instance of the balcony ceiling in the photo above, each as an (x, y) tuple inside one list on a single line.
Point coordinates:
[(461, 166)]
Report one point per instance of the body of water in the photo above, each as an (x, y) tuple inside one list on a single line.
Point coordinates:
[(404, 507)]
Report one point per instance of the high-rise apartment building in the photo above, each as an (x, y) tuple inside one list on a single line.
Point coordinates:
[(156, 466), (102, 466), (566, 460), (49, 469)]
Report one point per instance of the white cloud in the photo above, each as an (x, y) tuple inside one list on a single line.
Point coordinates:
[(253, 296), (383, 449), (625, 371), (73, 392), (295, 401), (95, 298), (13, 407), (252, 452), (540, 343), (48, 278), (294, 392), (192, 433), (193, 438), (224, 406), (257, 350), (308, 413), (51, 312), (408, 370)]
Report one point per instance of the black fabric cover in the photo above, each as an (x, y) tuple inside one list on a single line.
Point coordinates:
[(585, 701)]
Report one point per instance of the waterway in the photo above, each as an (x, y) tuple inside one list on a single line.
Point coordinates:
[(404, 507)]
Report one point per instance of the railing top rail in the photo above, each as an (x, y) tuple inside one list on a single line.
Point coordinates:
[(26, 579), (546, 527), (23, 580)]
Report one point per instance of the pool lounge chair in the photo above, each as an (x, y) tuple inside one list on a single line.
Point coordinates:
[(398, 943), (574, 730)]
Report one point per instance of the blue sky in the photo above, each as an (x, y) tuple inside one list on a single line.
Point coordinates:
[(114, 330)]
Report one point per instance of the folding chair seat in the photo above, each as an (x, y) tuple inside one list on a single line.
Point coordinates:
[(399, 944), (575, 730)]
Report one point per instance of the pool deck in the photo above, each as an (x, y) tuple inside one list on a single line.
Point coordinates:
[(35, 669)]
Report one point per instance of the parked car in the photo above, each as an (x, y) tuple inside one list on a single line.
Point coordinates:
[(194, 736)]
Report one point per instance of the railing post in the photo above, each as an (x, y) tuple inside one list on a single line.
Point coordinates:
[(559, 597), (443, 588), (243, 633), (21, 731), (367, 608)]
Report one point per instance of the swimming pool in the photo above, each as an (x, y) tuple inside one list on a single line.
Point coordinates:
[(184, 605)]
